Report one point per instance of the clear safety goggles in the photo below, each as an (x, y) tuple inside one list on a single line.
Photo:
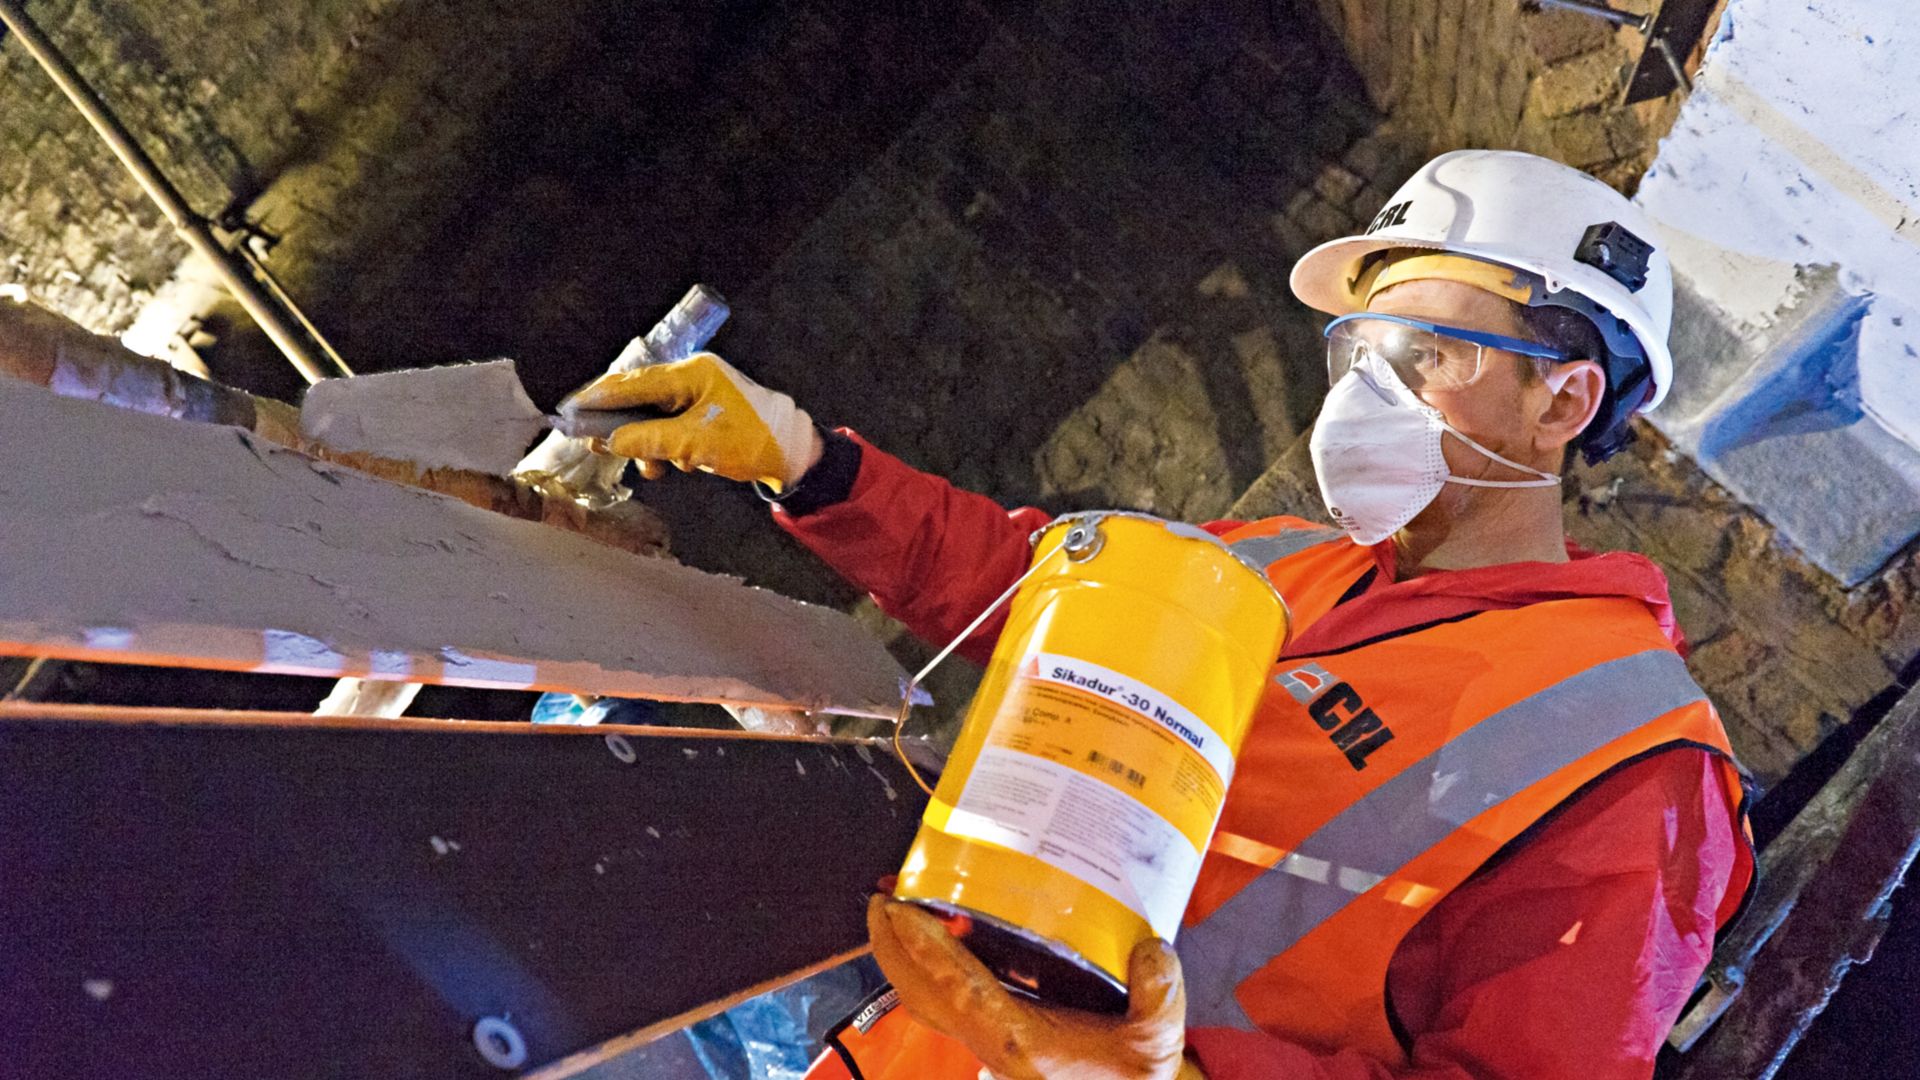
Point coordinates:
[(1426, 356)]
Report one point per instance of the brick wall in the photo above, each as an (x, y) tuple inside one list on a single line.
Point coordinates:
[(1075, 248), (210, 91), (1230, 380), (338, 125), (1787, 654), (1064, 283), (1483, 73)]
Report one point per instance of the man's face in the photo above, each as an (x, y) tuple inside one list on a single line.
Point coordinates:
[(1499, 409)]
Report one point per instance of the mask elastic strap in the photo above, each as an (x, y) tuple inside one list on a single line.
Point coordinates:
[(1470, 482), (1547, 479)]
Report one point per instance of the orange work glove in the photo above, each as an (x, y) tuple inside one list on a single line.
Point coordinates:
[(948, 989), (723, 422)]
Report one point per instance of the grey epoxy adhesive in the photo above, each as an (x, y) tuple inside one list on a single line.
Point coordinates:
[(459, 416), (143, 537)]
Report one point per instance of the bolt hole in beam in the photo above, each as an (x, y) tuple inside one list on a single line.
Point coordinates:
[(499, 1042)]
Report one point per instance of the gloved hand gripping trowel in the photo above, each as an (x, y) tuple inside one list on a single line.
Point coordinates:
[(479, 417), (565, 454)]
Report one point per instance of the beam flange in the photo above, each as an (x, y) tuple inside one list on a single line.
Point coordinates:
[(1842, 866), (42, 348)]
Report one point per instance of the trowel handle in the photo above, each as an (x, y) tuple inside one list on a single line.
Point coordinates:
[(599, 423), (684, 331), (689, 326)]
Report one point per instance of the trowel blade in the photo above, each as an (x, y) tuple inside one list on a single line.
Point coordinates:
[(459, 416)]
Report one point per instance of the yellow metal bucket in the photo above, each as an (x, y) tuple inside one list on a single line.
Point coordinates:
[(1069, 823)]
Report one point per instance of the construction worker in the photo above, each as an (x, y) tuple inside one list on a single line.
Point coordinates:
[(1524, 877)]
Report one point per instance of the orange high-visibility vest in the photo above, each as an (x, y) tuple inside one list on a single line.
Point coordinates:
[(1378, 778)]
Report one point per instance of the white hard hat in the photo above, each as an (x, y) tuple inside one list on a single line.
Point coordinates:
[(1581, 237)]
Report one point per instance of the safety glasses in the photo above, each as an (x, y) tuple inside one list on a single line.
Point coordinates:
[(1426, 356)]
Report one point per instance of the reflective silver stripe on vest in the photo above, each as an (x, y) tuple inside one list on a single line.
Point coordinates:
[(1379, 835), (1267, 550)]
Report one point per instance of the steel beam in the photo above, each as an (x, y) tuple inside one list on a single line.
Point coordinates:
[(202, 894), (1849, 858)]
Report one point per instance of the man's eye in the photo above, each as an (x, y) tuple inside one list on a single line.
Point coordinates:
[(1425, 357)]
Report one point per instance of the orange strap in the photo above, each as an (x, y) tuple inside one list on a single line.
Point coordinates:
[(881, 1041)]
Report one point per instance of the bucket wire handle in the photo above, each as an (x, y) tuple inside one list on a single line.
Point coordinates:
[(906, 699)]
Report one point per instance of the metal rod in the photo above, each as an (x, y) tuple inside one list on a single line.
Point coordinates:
[(1673, 64), (191, 227), (25, 680), (286, 301), (1599, 11)]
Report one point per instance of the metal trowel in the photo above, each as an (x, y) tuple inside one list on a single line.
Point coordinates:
[(478, 416), (459, 416)]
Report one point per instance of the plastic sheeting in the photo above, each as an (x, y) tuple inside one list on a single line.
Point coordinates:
[(776, 1036)]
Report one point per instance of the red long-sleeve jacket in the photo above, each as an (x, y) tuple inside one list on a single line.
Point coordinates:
[(1492, 984)]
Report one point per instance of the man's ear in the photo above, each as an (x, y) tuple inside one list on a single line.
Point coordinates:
[(1574, 392)]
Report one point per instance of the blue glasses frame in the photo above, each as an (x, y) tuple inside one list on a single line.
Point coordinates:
[(1477, 337)]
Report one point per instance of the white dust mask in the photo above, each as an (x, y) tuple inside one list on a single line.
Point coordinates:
[(1376, 453)]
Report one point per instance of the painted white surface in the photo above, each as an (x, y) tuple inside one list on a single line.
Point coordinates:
[(1800, 148), (1800, 144), (202, 545)]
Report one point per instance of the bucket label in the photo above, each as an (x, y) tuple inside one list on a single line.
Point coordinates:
[(1141, 698), (1102, 777)]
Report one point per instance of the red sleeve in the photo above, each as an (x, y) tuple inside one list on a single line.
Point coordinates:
[(1571, 958), (932, 556)]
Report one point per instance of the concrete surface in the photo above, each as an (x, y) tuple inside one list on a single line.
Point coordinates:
[(1790, 192)]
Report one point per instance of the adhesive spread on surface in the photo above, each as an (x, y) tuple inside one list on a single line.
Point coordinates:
[(196, 543)]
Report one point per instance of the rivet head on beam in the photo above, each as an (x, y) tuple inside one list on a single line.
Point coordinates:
[(499, 1042), (622, 749)]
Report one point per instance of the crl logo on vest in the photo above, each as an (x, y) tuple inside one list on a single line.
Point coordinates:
[(1336, 707)]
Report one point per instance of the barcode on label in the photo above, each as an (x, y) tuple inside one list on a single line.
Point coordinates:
[(1118, 769)]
